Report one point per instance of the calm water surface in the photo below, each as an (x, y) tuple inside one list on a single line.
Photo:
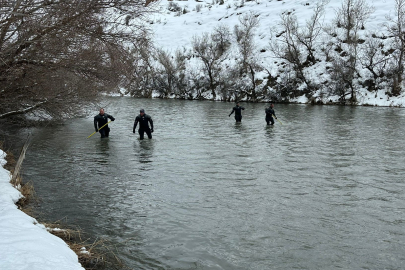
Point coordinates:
[(324, 190)]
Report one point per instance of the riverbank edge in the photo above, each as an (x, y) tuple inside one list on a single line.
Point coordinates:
[(22, 195), (368, 99)]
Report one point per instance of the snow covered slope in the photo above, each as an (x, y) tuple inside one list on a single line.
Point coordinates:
[(175, 30), (25, 244)]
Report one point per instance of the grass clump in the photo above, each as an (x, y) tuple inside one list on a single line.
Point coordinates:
[(93, 255)]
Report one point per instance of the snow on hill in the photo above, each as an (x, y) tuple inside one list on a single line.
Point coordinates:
[(175, 29)]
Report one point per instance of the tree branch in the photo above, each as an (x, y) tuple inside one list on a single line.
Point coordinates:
[(4, 115)]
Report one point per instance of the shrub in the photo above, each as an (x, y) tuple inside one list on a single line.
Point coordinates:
[(174, 7)]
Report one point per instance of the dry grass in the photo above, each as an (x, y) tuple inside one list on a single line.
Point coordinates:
[(89, 254), (94, 255), (26, 189), (29, 195), (88, 257), (11, 161)]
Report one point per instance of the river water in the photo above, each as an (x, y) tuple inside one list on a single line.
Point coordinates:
[(323, 190)]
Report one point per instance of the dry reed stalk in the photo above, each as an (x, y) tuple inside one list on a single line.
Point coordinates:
[(15, 180), (92, 256), (28, 194)]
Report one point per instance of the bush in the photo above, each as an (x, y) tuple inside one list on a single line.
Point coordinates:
[(174, 7)]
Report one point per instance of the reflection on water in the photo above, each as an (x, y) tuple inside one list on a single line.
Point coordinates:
[(103, 150), (144, 150), (324, 190)]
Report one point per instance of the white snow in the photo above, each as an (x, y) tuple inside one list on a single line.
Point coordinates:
[(24, 243), (301, 99), (173, 31)]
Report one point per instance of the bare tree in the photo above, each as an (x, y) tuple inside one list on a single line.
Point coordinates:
[(180, 58), (248, 63), (309, 34), (169, 76), (221, 36), (286, 46), (64, 52), (375, 61), (244, 33), (341, 75), (298, 44), (396, 28), (351, 17), (138, 72), (165, 75), (211, 54)]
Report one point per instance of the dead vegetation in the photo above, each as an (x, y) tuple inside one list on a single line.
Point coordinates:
[(10, 159), (16, 179), (28, 196), (58, 55), (93, 255)]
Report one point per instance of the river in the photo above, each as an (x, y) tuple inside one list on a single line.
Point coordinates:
[(323, 190)]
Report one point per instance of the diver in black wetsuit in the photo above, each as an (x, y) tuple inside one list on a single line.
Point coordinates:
[(101, 119), (238, 112), (143, 120), (269, 114)]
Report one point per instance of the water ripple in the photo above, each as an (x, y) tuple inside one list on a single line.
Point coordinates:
[(324, 190)]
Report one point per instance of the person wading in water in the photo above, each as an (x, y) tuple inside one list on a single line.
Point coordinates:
[(269, 114), (144, 120), (101, 119), (238, 112)]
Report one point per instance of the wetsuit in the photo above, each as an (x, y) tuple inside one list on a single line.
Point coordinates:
[(101, 120), (238, 113), (143, 126), (269, 116)]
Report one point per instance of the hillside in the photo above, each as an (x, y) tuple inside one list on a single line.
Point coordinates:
[(278, 63)]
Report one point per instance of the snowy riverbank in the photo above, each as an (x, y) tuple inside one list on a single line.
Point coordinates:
[(340, 65), (25, 244), (379, 98)]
